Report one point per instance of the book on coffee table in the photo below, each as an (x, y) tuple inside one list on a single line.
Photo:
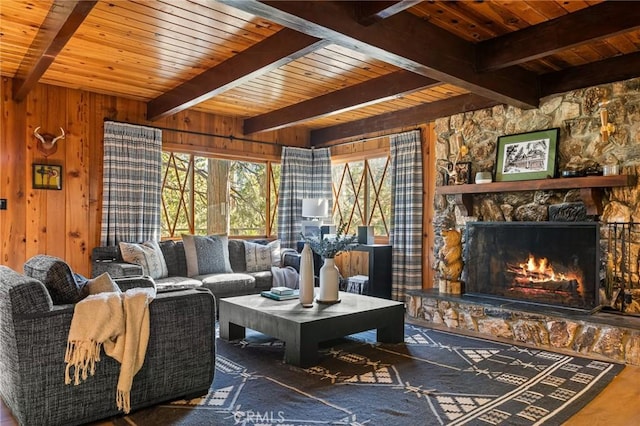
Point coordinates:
[(294, 295), (283, 291)]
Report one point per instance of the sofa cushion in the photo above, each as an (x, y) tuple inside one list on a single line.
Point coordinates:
[(228, 283), (148, 255), (206, 254), (177, 281), (56, 276), (264, 279)]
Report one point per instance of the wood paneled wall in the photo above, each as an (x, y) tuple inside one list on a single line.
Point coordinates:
[(66, 223)]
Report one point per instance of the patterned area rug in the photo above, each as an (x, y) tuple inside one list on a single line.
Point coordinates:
[(434, 378)]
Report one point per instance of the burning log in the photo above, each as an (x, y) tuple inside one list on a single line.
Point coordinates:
[(531, 275), (564, 286), (539, 275)]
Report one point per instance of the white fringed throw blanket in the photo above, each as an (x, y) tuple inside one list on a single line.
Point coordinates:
[(119, 322)]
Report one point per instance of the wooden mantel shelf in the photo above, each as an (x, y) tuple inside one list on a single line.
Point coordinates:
[(590, 189)]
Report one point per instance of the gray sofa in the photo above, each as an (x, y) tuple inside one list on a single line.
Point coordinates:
[(238, 283), (179, 362)]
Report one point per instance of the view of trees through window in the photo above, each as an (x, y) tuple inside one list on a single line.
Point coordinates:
[(206, 196), (218, 196), (362, 194)]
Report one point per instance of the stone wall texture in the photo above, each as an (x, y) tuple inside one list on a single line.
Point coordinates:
[(580, 145), (584, 335), (577, 115)]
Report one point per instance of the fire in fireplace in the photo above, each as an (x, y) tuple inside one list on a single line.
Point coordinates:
[(548, 263)]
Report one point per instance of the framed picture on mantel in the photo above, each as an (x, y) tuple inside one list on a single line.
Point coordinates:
[(527, 156)]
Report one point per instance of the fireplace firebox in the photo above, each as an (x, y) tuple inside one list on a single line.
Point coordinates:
[(545, 263)]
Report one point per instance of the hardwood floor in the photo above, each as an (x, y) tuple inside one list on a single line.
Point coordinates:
[(617, 405)]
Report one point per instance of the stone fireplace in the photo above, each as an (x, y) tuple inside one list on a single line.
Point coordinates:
[(544, 263), (586, 325)]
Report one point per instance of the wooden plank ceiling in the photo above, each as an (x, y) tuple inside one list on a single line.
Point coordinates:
[(340, 69)]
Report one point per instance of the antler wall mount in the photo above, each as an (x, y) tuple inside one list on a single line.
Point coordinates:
[(47, 141)]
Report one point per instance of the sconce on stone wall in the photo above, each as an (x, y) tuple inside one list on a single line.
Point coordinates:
[(606, 128)]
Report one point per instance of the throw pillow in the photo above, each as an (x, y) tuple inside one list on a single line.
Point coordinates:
[(56, 276), (276, 253), (261, 257), (206, 254), (258, 257), (101, 284), (148, 255)]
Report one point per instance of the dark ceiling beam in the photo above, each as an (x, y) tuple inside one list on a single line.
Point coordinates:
[(56, 30), (405, 41), (370, 12), (271, 53), (332, 135), (357, 96), (589, 24), (609, 70)]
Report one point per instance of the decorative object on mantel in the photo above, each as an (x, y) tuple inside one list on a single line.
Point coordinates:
[(483, 177), (579, 167), (306, 286), (455, 171), (611, 169), (47, 141), (527, 156), (328, 248), (450, 262)]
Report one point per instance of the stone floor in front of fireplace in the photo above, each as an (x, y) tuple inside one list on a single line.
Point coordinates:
[(600, 334), (603, 314)]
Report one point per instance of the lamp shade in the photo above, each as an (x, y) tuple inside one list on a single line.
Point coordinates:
[(315, 207)]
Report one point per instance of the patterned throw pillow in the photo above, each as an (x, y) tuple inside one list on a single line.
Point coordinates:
[(101, 284), (260, 257), (56, 276), (206, 255), (148, 255)]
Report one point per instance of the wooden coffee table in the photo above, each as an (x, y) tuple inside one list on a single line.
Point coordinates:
[(302, 329)]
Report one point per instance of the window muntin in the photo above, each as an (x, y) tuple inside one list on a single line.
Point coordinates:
[(202, 195), (362, 194)]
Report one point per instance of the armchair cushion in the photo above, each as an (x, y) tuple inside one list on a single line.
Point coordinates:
[(63, 285), (148, 255), (206, 255), (101, 284), (26, 294)]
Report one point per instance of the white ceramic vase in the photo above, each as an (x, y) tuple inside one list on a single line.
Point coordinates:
[(306, 284), (329, 281)]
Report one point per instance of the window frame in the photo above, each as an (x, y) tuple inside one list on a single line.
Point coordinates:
[(271, 193), (369, 207)]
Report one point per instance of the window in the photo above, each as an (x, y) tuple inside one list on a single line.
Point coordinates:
[(362, 194), (203, 195)]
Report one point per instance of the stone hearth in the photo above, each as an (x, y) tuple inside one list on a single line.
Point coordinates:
[(600, 335)]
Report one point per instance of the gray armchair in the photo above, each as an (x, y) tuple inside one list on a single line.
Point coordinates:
[(179, 363)]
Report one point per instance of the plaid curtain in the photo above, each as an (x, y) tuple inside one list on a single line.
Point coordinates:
[(304, 173), (406, 230), (131, 186)]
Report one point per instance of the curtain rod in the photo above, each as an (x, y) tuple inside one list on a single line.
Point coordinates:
[(232, 138), (191, 132)]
